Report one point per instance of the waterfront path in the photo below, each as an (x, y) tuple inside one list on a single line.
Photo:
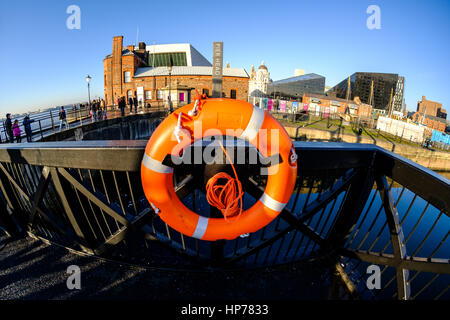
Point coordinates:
[(31, 269)]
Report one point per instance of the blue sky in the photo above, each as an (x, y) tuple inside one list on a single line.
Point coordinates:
[(45, 64)]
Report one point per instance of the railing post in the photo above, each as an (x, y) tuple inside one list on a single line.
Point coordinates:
[(397, 238), (40, 129), (82, 237), (51, 118), (356, 198), (12, 199), (6, 219)]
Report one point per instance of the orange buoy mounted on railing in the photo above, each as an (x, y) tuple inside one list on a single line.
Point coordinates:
[(224, 117)]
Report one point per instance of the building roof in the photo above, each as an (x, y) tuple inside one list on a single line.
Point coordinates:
[(188, 71), (125, 52), (308, 76), (262, 66), (193, 56)]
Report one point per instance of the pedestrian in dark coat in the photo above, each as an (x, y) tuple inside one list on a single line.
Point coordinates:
[(27, 125), (8, 127), (135, 102), (130, 103), (122, 106)]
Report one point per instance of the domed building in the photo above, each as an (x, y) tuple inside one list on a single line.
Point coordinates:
[(259, 81)]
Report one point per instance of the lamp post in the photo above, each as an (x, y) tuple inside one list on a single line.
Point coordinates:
[(88, 80), (170, 80)]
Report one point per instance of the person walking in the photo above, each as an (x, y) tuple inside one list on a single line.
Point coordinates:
[(94, 110), (16, 131), (135, 102), (62, 119), (97, 110), (27, 125), (8, 127), (130, 103), (103, 106), (122, 106)]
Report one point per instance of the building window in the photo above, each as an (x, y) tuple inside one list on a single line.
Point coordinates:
[(129, 94), (205, 91), (163, 59), (127, 76), (233, 94), (148, 95), (159, 95)]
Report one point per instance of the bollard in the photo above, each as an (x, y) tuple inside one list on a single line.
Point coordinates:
[(40, 129)]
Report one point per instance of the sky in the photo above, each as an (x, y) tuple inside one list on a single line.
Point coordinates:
[(45, 64)]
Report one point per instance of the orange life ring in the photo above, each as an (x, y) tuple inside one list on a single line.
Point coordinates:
[(246, 122)]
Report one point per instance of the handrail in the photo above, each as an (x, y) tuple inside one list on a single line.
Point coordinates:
[(103, 154)]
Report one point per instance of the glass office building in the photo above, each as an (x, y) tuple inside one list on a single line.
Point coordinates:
[(295, 87), (361, 86)]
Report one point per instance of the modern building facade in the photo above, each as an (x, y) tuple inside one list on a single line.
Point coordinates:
[(143, 72), (372, 88), (296, 87)]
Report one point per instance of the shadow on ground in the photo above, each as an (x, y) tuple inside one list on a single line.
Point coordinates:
[(33, 270)]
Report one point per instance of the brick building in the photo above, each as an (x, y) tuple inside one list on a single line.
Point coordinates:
[(143, 72), (430, 121), (431, 108), (324, 104)]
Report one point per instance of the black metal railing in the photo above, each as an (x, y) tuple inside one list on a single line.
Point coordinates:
[(354, 205)]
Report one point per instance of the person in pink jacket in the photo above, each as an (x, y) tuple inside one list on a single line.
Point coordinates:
[(16, 131)]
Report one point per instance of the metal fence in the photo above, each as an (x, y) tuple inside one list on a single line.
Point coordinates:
[(353, 205), (48, 123)]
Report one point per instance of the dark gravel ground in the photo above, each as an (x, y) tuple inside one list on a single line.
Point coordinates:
[(33, 270)]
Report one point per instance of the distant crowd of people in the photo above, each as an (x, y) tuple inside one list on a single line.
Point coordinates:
[(133, 102), (98, 110)]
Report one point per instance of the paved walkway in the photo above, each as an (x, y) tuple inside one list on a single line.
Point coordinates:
[(31, 269)]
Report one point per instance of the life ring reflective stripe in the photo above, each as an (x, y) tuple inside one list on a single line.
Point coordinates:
[(248, 123), (200, 229), (271, 203), (155, 165), (253, 126)]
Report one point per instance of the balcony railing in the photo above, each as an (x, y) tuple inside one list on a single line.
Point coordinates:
[(354, 205)]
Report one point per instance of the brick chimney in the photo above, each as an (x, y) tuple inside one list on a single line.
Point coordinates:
[(117, 67)]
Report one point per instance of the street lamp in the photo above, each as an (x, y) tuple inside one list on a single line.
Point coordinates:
[(170, 80), (88, 80)]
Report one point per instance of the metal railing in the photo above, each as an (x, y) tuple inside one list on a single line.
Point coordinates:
[(48, 123), (353, 205)]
